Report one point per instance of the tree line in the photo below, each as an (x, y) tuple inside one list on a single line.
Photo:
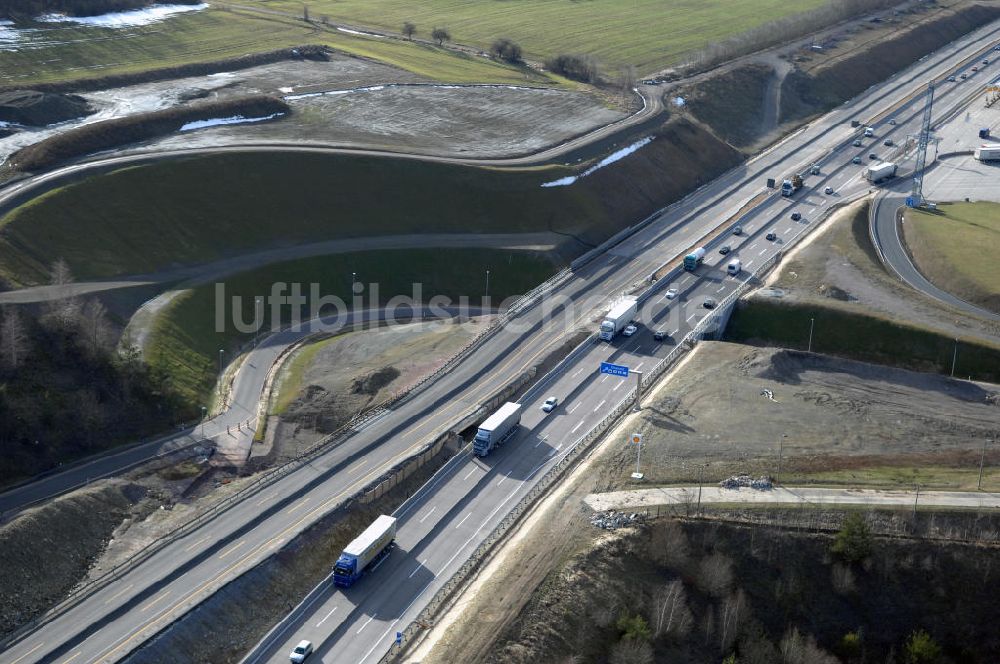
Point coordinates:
[(66, 390), (32, 8)]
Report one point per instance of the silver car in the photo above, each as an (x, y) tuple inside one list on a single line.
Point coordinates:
[(301, 651), (550, 404)]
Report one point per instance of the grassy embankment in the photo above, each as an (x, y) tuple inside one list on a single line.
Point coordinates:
[(956, 249), (215, 34), (184, 340), (651, 34), (867, 338), (143, 219)]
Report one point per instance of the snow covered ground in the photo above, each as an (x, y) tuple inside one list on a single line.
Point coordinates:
[(129, 19), (610, 159)]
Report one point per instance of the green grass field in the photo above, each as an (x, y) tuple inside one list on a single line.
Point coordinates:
[(956, 248), (861, 337), (185, 344), (650, 34), (69, 53), (143, 219)]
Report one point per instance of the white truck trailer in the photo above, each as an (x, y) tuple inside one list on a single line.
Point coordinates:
[(988, 152), (366, 550), (618, 318), (497, 428), (880, 172)]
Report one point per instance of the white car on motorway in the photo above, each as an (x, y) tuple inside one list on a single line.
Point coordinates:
[(303, 650), (671, 293), (630, 330), (550, 404)]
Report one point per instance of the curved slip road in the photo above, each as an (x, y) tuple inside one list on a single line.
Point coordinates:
[(889, 212)]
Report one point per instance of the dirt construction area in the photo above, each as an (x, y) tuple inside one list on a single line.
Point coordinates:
[(353, 102), (323, 384)]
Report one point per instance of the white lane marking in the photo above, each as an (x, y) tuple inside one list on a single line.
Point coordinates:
[(541, 439), (751, 246), (429, 512), (358, 466), (469, 474), (748, 263), (578, 425), (161, 596), (598, 406), (263, 500), (762, 251), (463, 520), (570, 411), (577, 372), (604, 378), (506, 476), (638, 366), (118, 594), (198, 542), (327, 616), (417, 568), (721, 288), (675, 331), (72, 657), (298, 505), (620, 383), (692, 316), (28, 653), (365, 625), (231, 549)]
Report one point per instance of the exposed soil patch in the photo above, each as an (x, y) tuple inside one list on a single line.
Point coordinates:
[(34, 108), (46, 551)]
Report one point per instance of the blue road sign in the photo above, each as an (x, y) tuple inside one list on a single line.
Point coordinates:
[(399, 638), (614, 369)]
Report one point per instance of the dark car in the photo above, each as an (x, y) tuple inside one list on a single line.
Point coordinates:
[(737, 230), (772, 237), (872, 155), (709, 303), (887, 142), (796, 216), (659, 335), (724, 249), (857, 143)]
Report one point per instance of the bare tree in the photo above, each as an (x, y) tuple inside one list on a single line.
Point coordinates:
[(672, 616), (715, 575), (63, 308), (631, 651), (13, 338), (626, 80), (731, 615), (96, 329), (305, 13), (799, 649), (440, 35), (507, 50), (409, 30)]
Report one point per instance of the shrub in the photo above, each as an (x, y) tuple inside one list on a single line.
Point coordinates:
[(853, 542), (577, 67)]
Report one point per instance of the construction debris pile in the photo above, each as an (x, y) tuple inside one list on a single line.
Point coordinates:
[(613, 520), (762, 483)]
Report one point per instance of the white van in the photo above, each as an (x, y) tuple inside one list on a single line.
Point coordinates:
[(734, 267), (869, 132)]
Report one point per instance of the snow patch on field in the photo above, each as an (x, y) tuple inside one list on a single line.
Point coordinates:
[(358, 32), (376, 88), (610, 159), (679, 101), (8, 36), (129, 19), (235, 119)]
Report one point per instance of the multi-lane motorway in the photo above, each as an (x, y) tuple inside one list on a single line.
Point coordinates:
[(447, 520)]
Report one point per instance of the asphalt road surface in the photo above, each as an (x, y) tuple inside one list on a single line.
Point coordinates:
[(687, 495), (448, 519)]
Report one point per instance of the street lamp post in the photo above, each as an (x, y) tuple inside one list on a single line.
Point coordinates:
[(781, 447), (636, 440), (203, 411), (487, 286), (812, 322), (954, 358), (982, 460), (258, 316)]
